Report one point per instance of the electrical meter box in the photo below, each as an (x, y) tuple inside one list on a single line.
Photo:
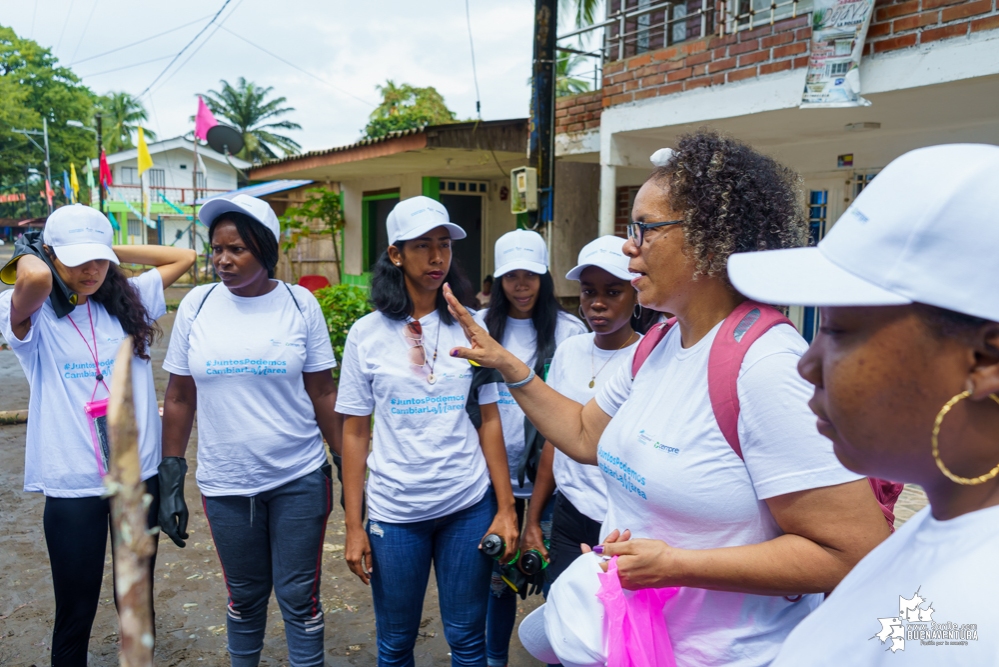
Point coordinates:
[(523, 189)]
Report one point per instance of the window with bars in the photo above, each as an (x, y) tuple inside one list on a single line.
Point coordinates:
[(622, 216), (748, 14), (818, 214), (463, 187), (128, 176), (157, 178)]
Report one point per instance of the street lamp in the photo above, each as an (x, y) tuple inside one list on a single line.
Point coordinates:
[(97, 132)]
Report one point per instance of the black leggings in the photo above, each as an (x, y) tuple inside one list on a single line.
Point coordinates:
[(76, 534)]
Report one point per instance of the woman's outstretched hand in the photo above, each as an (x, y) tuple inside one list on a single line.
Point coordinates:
[(482, 349)]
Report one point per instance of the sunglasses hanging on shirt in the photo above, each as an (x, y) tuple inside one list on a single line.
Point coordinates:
[(413, 334)]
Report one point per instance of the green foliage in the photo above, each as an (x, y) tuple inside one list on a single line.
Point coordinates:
[(406, 107), (324, 207), (342, 306), (33, 86), (121, 116), (566, 80), (583, 11), (245, 106)]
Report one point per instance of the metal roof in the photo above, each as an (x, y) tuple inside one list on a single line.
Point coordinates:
[(260, 189)]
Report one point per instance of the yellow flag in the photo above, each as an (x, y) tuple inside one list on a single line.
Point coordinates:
[(145, 160), (73, 182)]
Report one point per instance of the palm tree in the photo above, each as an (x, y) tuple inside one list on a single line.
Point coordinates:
[(566, 81), (245, 106), (121, 116), (583, 11)]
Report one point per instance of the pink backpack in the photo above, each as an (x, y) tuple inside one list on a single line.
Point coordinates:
[(743, 327)]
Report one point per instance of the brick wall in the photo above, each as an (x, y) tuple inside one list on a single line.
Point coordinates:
[(575, 113), (716, 60)]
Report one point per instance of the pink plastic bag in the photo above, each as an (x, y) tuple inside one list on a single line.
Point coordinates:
[(634, 626)]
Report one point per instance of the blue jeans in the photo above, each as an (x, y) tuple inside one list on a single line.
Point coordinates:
[(401, 554), (502, 613), (273, 539)]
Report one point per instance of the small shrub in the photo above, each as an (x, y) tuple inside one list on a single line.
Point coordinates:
[(342, 306)]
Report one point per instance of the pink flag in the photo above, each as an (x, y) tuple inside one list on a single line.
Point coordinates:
[(204, 121)]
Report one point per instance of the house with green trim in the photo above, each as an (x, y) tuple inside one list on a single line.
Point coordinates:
[(465, 166), (170, 188)]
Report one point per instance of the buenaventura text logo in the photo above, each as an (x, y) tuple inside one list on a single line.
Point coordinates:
[(915, 623)]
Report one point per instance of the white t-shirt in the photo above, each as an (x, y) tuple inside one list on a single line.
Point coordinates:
[(426, 461), (575, 362), (257, 426), (59, 458), (925, 597), (520, 338), (672, 476)]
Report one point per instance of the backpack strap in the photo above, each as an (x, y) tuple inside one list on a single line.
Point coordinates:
[(202, 304), (653, 337), (292, 295), (743, 327)]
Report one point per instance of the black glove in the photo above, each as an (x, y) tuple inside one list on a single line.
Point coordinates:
[(173, 509), (63, 300)]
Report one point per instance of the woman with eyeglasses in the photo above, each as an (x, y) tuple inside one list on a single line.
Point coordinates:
[(582, 365), (755, 522), (523, 313), (430, 470)]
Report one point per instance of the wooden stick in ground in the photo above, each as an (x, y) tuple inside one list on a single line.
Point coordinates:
[(133, 545)]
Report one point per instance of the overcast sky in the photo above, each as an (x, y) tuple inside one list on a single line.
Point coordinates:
[(351, 45)]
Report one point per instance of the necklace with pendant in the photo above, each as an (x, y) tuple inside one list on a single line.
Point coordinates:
[(432, 379), (593, 378)]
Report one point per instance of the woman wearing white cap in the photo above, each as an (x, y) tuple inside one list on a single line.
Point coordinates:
[(70, 309), (524, 314), (905, 371), (252, 356), (737, 518), (608, 303), (430, 466)]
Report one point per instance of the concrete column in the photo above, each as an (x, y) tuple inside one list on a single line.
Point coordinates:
[(608, 199)]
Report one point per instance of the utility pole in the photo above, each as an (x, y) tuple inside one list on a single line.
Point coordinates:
[(48, 169), (48, 166), (541, 148), (100, 147), (194, 210)]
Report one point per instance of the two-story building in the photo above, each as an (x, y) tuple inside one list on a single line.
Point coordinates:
[(170, 188), (930, 70)]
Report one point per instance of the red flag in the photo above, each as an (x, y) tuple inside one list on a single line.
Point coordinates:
[(204, 121), (49, 192), (105, 171)]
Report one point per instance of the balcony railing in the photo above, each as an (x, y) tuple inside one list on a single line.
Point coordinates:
[(636, 26), (178, 196)]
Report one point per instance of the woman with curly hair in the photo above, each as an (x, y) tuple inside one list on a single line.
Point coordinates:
[(741, 505), (69, 311)]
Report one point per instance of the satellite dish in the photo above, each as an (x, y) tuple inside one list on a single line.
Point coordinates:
[(224, 139)]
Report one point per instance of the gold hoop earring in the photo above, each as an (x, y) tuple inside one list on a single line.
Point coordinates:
[(580, 310), (934, 440)]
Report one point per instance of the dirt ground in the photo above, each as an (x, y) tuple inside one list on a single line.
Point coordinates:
[(190, 596)]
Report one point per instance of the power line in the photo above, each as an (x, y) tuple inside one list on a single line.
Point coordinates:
[(141, 41), (475, 75), (64, 24), (116, 69), (291, 64), (186, 46), (203, 42), (85, 27)]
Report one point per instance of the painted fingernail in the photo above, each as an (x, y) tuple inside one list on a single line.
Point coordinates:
[(599, 549), (454, 353)]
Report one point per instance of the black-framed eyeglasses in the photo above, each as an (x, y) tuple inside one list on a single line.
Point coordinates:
[(636, 230)]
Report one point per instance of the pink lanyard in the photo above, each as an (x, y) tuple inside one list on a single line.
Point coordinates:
[(93, 352)]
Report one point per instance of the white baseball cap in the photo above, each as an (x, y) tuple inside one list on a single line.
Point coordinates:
[(521, 249), (414, 217), (605, 253), (78, 234), (569, 627), (257, 209), (925, 230)]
